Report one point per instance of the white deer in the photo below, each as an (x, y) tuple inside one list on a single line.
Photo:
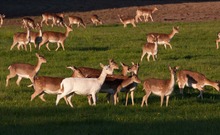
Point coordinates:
[(159, 87), (195, 80), (24, 70), (83, 86)]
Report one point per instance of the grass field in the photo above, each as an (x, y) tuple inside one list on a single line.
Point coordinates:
[(193, 48)]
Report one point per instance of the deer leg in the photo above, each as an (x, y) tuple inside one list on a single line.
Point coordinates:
[(151, 18), (11, 75), (42, 97), (201, 91), (126, 98), (12, 46), (25, 47), (161, 100), (62, 44), (169, 45), (36, 92), (142, 56), (58, 46), (132, 98), (66, 100), (167, 100), (47, 46), (30, 47), (69, 100), (59, 96), (94, 99), (18, 80), (89, 97), (153, 57), (218, 40)]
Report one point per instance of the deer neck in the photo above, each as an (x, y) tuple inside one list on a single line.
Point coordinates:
[(67, 32), (172, 79), (40, 33), (172, 34), (102, 77), (126, 82), (37, 68), (213, 84), (28, 34), (124, 72)]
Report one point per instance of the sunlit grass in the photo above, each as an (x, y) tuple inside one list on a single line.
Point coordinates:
[(193, 48)]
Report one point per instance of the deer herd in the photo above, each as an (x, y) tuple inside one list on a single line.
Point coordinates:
[(89, 81)]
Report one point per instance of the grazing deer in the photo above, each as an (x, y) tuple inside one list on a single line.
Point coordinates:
[(57, 18), (163, 39), (195, 80), (159, 87), (146, 13), (218, 40), (150, 49), (76, 20), (2, 16), (24, 70), (20, 39), (83, 86), (126, 21), (28, 23), (95, 19), (55, 37)]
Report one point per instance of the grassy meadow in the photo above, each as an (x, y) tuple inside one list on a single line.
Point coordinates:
[(193, 48)]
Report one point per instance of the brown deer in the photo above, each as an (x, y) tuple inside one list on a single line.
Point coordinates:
[(24, 70), (2, 16), (36, 37), (28, 23), (56, 18), (95, 19), (150, 49), (76, 20), (195, 80), (217, 40), (163, 39), (159, 87), (20, 39), (126, 21), (146, 13), (55, 37)]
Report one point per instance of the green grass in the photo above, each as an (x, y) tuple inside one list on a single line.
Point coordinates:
[(193, 48)]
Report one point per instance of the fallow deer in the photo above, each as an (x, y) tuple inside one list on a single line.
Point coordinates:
[(195, 80), (57, 18), (217, 40), (24, 70), (159, 87), (150, 49), (20, 39), (36, 37), (95, 19), (126, 21), (55, 37), (146, 13), (76, 20), (2, 16), (83, 86), (163, 39), (28, 23)]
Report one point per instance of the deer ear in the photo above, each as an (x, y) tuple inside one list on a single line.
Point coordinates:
[(101, 65), (132, 63)]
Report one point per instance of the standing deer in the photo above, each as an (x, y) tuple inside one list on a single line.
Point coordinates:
[(55, 37), (20, 39), (159, 87), (28, 23), (83, 86), (57, 18), (95, 19), (50, 85), (126, 21), (195, 80), (163, 39), (146, 13), (217, 40), (76, 20), (24, 70), (150, 49), (2, 16), (36, 37)]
